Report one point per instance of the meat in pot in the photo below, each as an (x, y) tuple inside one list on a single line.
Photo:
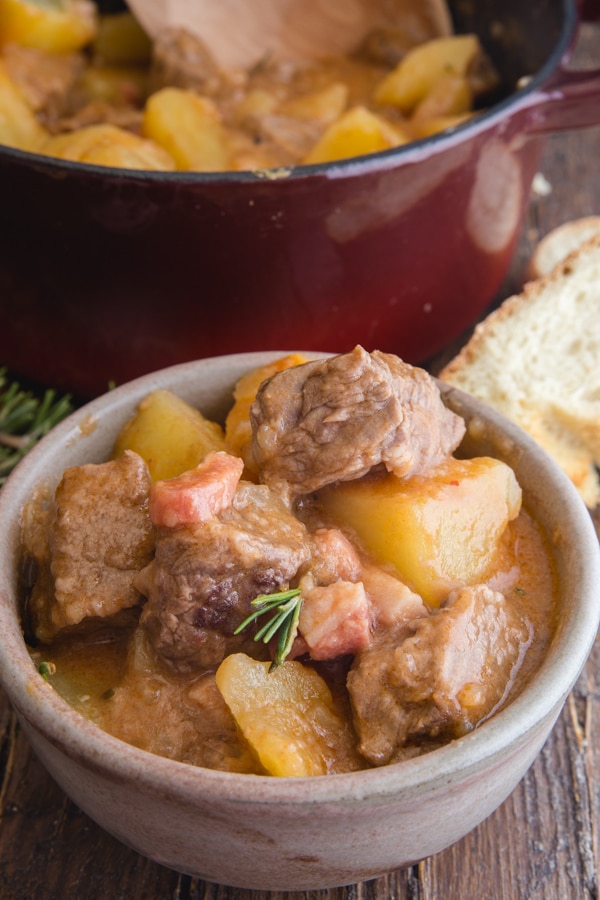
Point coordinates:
[(93, 88)]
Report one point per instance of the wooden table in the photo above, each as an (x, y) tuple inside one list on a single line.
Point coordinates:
[(542, 844)]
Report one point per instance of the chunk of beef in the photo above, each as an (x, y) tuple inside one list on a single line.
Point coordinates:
[(99, 112), (416, 23), (453, 669), (385, 46), (335, 419), (201, 583), (295, 136), (52, 85), (180, 59), (100, 537), (48, 81)]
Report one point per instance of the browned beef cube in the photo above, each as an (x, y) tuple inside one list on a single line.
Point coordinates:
[(450, 672), (336, 419), (200, 585), (100, 538)]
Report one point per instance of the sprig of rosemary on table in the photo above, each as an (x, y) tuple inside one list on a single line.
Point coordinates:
[(24, 419), (286, 605)]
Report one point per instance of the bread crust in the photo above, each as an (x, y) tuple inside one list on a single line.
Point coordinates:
[(536, 358), (559, 243)]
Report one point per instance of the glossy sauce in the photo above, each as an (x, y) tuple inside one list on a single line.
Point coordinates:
[(109, 676)]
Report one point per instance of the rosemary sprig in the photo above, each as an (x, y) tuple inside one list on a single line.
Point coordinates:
[(286, 605), (46, 669), (24, 419)]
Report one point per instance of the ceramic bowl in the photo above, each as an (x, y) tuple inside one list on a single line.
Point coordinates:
[(265, 833)]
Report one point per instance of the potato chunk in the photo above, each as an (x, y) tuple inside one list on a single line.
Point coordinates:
[(288, 716), (169, 434), (357, 132), (439, 530), (189, 128), (418, 71), (323, 105), (19, 126), (56, 26), (423, 128), (108, 145), (118, 85), (121, 41), (449, 96)]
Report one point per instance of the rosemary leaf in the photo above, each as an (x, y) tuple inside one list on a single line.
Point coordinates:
[(287, 636), (24, 419), (46, 669), (286, 607), (273, 625)]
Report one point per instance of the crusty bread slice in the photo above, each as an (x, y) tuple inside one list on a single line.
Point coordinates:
[(560, 243), (537, 359)]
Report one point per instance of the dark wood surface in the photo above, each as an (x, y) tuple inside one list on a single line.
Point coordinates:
[(543, 843)]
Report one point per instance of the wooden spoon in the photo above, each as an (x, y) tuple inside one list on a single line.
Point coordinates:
[(239, 33)]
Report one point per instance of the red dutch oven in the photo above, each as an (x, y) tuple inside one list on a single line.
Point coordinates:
[(106, 274)]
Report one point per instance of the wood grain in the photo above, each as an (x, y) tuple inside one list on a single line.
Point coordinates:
[(543, 843)]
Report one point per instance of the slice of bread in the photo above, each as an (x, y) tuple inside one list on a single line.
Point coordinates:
[(537, 360), (560, 243)]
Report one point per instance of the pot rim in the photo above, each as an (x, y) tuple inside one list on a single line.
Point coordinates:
[(536, 706), (357, 165)]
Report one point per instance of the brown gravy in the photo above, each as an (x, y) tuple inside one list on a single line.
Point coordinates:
[(185, 718)]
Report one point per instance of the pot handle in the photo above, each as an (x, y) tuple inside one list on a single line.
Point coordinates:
[(571, 99)]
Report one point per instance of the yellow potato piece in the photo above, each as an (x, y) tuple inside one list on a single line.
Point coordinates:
[(56, 26), (121, 157), (169, 434), (189, 128), (418, 71), (324, 105), (256, 102), (114, 84), (427, 127), (121, 41), (238, 430), (440, 530), (449, 96), (19, 126), (287, 716), (108, 145), (357, 132)]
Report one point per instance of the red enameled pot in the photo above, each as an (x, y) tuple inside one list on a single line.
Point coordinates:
[(106, 274)]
